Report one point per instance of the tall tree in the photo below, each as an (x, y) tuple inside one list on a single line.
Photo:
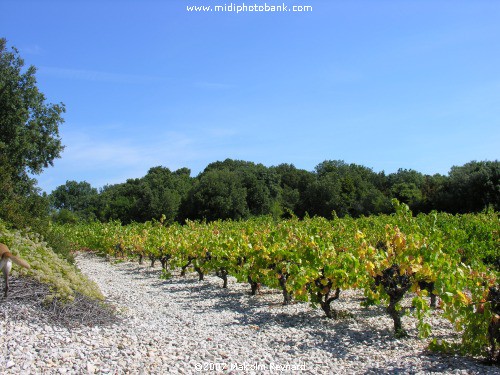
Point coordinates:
[(119, 201), (77, 197), (29, 127), (218, 194), (472, 187), (295, 184), (29, 134), (347, 189), (163, 192), (406, 185), (254, 186)]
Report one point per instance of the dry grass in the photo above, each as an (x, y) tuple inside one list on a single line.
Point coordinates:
[(28, 294)]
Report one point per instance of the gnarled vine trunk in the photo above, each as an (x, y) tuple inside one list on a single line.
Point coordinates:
[(396, 286)]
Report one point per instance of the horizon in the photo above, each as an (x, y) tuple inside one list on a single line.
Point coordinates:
[(387, 85)]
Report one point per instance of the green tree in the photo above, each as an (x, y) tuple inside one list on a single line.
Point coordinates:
[(119, 201), (163, 192), (294, 184), (254, 190), (432, 190), (219, 194), (472, 187), (406, 186), (160, 192), (29, 127), (347, 189), (77, 197), (29, 136)]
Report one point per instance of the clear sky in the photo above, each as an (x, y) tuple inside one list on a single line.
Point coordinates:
[(385, 84)]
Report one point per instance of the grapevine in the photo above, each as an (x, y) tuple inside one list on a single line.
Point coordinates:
[(448, 259)]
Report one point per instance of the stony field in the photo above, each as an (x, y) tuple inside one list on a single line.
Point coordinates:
[(183, 326)]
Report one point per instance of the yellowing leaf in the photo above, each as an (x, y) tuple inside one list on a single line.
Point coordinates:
[(415, 267), (359, 235), (370, 267), (463, 298)]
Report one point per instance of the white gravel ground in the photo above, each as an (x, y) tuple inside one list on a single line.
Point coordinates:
[(182, 326)]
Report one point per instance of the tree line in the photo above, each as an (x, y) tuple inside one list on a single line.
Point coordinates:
[(235, 189)]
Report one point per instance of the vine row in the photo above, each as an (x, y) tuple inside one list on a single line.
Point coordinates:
[(445, 262)]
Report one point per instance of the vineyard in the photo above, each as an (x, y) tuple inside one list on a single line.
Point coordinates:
[(445, 262)]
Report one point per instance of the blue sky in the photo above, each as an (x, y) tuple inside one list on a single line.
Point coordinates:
[(385, 84)]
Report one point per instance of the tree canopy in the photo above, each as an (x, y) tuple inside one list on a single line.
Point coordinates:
[(235, 189), (29, 127)]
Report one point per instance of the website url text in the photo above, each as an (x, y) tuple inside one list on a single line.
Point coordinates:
[(240, 8)]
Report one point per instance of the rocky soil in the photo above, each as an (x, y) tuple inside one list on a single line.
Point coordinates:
[(183, 326)]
